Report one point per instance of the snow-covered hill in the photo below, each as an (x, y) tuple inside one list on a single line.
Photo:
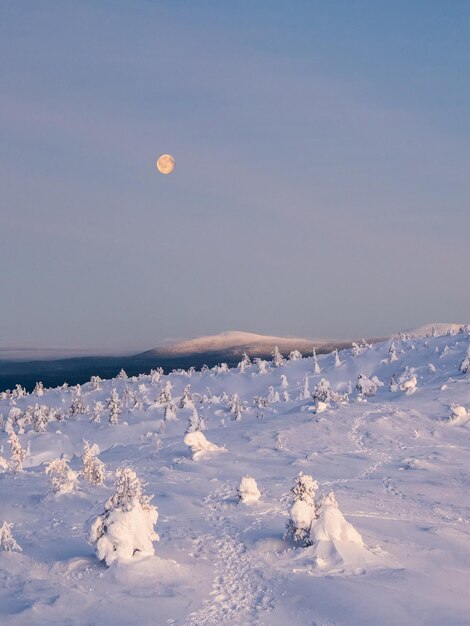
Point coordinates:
[(391, 546)]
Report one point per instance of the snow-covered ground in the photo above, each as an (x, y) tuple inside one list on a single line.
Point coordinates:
[(391, 546)]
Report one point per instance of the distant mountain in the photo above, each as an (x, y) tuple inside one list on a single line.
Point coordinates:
[(209, 350)]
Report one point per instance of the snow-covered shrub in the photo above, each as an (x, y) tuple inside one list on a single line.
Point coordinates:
[(196, 422), (156, 375), (322, 391), (122, 375), (95, 382), (78, 406), (409, 384), (38, 389), (18, 453), (303, 511), (273, 396), (337, 359), (278, 359), (186, 401), (316, 365), (234, 406), (114, 406), (93, 468), (365, 386), (62, 478), (40, 417), (7, 541), (263, 366), (165, 393), (125, 531), (355, 349), (199, 445), (392, 352), (97, 412), (305, 393), (244, 363), (284, 381), (248, 491), (295, 355), (465, 365), (170, 411), (458, 414)]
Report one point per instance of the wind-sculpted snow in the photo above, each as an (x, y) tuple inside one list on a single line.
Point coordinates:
[(385, 428)]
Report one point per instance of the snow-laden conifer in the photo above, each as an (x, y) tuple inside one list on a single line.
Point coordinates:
[(97, 411), (316, 365), (234, 407), (124, 532), (337, 359), (244, 363), (295, 355), (365, 386), (114, 406), (62, 478), (170, 411), (196, 422), (93, 469), (7, 541), (186, 401), (464, 367), (278, 360), (18, 453), (303, 511)]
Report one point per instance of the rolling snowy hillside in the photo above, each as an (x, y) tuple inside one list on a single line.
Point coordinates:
[(389, 436)]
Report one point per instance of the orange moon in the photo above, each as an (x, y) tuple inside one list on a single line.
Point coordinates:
[(166, 164)]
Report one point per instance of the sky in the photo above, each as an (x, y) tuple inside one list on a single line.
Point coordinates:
[(322, 169)]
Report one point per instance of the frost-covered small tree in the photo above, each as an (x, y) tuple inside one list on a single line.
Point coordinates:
[(93, 469), (186, 401), (156, 375), (18, 392), (263, 366), (199, 445), (286, 396), (97, 411), (305, 393), (337, 359), (7, 541), (355, 349), (125, 531), (170, 411), (244, 363), (322, 391), (18, 453), (316, 365), (39, 389), (122, 374), (114, 406), (234, 407), (15, 417), (365, 386), (273, 396), (295, 355), (303, 511), (62, 478), (95, 382), (284, 381), (165, 393), (278, 359), (40, 418), (196, 422), (223, 368), (464, 367), (392, 352), (248, 491), (78, 406)]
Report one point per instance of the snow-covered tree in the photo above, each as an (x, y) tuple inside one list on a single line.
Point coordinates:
[(196, 422), (122, 374), (156, 375), (303, 511), (199, 445), (286, 396), (248, 491), (365, 386), (97, 411), (458, 414), (186, 401), (278, 359), (316, 365), (93, 469), (284, 381), (38, 389), (78, 406), (263, 366), (322, 391), (7, 541), (18, 453), (465, 365), (355, 349), (295, 355), (244, 363), (125, 531), (165, 393), (392, 352), (337, 359), (114, 406), (62, 478), (273, 396), (40, 418), (234, 407), (170, 411), (95, 382), (305, 393)]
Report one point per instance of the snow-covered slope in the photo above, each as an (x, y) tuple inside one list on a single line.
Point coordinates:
[(391, 547)]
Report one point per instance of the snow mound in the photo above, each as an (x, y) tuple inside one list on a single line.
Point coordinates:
[(199, 445), (335, 541), (248, 491)]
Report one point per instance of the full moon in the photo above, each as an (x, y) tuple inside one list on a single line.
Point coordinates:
[(166, 164)]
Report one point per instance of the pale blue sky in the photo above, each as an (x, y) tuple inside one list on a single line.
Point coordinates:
[(322, 178)]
